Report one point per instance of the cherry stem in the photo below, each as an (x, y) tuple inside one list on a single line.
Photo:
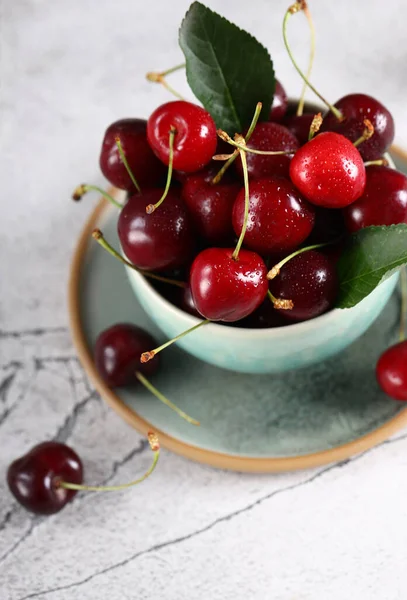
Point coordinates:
[(82, 189), (280, 302), (146, 356), (315, 126), (276, 269), (155, 447), (292, 10), (300, 108), (227, 164), (226, 138), (150, 208), (151, 388), (367, 133), (160, 78), (126, 164), (381, 162), (98, 236), (235, 254), (403, 309)]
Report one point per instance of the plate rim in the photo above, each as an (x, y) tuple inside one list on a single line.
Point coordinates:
[(201, 455)]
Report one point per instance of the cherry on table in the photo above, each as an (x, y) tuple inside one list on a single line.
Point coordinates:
[(158, 241), (225, 289), (391, 371), (383, 202), (329, 171), (310, 281), (355, 108), (195, 139), (33, 478), (279, 104), (143, 163), (299, 125), (269, 136), (279, 217)]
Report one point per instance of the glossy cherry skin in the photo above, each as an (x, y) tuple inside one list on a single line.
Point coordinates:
[(310, 281), (161, 240), (33, 478), (117, 354), (355, 108), (145, 166), (329, 171), (224, 289), (384, 201), (299, 125), (269, 136), (279, 218), (210, 206), (279, 104), (195, 139), (391, 371)]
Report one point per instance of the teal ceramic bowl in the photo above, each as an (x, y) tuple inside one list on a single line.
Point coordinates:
[(264, 350)]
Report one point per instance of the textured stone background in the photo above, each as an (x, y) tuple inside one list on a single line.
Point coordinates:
[(67, 69)]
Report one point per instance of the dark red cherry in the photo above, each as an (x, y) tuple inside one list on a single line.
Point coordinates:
[(384, 201), (264, 317), (391, 371), (279, 218), (299, 125), (224, 289), (187, 302), (329, 226), (310, 281), (33, 478), (280, 103), (195, 140), (274, 137), (117, 354), (145, 166), (161, 240), (329, 171), (355, 108)]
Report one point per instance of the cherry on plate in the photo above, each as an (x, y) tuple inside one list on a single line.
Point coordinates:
[(391, 371)]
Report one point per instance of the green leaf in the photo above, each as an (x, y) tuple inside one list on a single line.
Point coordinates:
[(228, 70), (370, 256)]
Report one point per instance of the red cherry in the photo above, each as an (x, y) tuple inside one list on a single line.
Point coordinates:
[(329, 171), (280, 103), (195, 139), (210, 206), (279, 218), (33, 478), (299, 125), (146, 168), (161, 240), (225, 289), (355, 108), (270, 137), (310, 281), (391, 371), (117, 354), (187, 302), (384, 201)]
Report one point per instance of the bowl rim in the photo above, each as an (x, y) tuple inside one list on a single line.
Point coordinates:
[(293, 329)]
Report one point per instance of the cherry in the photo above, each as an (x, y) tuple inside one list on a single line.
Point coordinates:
[(145, 166), (384, 201), (279, 104), (391, 371), (117, 354), (329, 171), (33, 478), (225, 289), (195, 139), (279, 218), (264, 317), (157, 241), (355, 108), (187, 302), (310, 281), (299, 125), (210, 206), (270, 137)]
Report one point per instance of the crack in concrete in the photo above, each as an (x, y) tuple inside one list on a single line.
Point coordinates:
[(31, 332)]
